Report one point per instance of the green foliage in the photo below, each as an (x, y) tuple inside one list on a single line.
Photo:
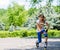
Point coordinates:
[(31, 11), (53, 33), (17, 15), (2, 12), (4, 34), (57, 9), (28, 33), (36, 1), (47, 10)]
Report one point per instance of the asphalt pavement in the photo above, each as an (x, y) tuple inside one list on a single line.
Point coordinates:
[(27, 44)]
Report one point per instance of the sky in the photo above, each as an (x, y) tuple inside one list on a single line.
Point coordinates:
[(5, 3)]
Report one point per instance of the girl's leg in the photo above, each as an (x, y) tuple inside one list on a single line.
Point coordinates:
[(46, 38), (45, 35), (39, 37)]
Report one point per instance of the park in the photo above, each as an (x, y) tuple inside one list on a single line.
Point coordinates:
[(18, 28)]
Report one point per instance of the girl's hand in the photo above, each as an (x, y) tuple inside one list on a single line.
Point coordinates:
[(47, 25), (46, 30)]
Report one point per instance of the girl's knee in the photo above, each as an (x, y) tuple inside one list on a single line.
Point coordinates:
[(45, 35)]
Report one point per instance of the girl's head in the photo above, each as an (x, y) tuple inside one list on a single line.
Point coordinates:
[(41, 17)]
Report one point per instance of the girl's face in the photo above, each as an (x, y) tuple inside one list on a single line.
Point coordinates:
[(41, 18)]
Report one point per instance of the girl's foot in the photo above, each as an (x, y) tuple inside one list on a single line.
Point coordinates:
[(37, 44), (45, 45)]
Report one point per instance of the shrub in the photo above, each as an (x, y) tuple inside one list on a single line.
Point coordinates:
[(28, 33), (54, 33), (3, 34)]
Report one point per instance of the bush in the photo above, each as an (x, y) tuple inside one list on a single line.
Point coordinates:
[(4, 34), (28, 33), (54, 33)]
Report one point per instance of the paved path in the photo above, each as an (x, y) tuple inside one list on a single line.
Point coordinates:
[(27, 44)]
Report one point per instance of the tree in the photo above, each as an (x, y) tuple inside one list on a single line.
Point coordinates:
[(57, 9), (17, 14), (32, 11), (2, 12), (48, 10)]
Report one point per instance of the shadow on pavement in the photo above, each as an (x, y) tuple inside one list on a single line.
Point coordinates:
[(51, 46), (40, 48)]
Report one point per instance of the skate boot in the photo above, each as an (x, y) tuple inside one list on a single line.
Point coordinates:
[(45, 45), (37, 44)]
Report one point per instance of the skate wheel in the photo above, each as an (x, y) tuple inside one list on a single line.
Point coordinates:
[(45, 48)]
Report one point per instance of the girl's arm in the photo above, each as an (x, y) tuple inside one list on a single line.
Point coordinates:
[(38, 27), (47, 26)]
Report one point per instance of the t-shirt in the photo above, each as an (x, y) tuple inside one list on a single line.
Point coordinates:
[(41, 24)]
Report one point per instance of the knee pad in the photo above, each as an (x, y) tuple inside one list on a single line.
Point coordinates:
[(45, 35)]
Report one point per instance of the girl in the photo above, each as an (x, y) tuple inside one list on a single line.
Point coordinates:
[(40, 29)]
